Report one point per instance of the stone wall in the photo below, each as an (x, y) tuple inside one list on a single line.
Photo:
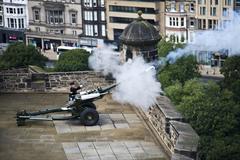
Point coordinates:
[(49, 82), (177, 137)]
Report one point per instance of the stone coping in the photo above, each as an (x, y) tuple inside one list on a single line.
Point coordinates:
[(187, 139), (167, 108)]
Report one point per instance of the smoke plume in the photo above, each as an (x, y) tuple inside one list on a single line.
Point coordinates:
[(137, 84), (225, 37)]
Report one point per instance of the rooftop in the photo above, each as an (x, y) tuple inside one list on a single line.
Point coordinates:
[(140, 32)]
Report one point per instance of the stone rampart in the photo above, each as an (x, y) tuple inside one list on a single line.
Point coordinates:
[(49, 82), (177, 137)]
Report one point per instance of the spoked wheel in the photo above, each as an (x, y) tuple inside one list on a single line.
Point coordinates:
[(89, 117)]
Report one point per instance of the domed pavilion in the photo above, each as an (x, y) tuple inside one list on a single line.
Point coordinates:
[(139, 38)]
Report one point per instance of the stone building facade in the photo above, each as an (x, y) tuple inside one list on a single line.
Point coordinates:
[(54, 23), (13, 20), (179, 20), (119, 13), (93, 22)]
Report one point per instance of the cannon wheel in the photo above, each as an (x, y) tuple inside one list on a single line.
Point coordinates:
[(89, 117)]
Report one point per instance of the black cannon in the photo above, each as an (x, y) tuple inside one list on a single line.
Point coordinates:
[(81, 107)]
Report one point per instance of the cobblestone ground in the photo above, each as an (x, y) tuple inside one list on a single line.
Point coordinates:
[(120, 133)]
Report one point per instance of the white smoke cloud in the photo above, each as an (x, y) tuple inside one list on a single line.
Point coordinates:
[(225, 37), (137, 84)]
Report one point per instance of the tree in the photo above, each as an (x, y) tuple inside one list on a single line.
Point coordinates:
[(74, 60), (231, 72), (20, 55), (164, 46), (213, 114), (185, 68), (175, 92)]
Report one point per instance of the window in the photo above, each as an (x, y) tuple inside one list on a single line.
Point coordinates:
[(182, 22), (192, 7), (1, 8), (36, 15), (204, 24), (19, 23), (225, 12), (73, 18), (103, 16), (21, 10), (170, 21), (213, 11), (181, 6), (95, 30), (210, 26), (201, 1), (176, 21), (8, 20), (192, 22), (102, 3), (173, 7), (95, 15), (103, 30), (202, 10), (14, 10), (11, 10), (11, 23), (88, 3), (94, 3), (88, 15), (216, 2), (88, 30), (228, 2), (74, 32), (1, 20), (55, 16), (238, 3), (7, 10)]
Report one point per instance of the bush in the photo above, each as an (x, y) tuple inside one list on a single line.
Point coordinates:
[(20, 55), (74, 60)]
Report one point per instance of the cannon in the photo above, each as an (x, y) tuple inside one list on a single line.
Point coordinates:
[(81, 107)]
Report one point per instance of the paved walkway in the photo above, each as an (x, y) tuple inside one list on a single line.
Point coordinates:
[(120, 133)]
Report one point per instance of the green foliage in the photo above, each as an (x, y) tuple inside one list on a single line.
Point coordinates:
[(74, 60), (175, 92), (231, 72), (213, 114), (19, 55), (164, 46), (183, 69), (213, 110)]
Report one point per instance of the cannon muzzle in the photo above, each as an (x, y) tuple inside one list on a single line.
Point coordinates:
[(107, 89)]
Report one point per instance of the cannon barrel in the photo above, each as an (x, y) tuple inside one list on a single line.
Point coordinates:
[(107, 89)]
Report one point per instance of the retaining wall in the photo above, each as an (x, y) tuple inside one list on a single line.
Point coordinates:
[(47, 82)]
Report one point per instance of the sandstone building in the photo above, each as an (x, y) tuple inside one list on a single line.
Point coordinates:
[(54, 23)]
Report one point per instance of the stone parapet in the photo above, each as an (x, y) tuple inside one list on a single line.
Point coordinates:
[(50, 82), (177, 137)]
